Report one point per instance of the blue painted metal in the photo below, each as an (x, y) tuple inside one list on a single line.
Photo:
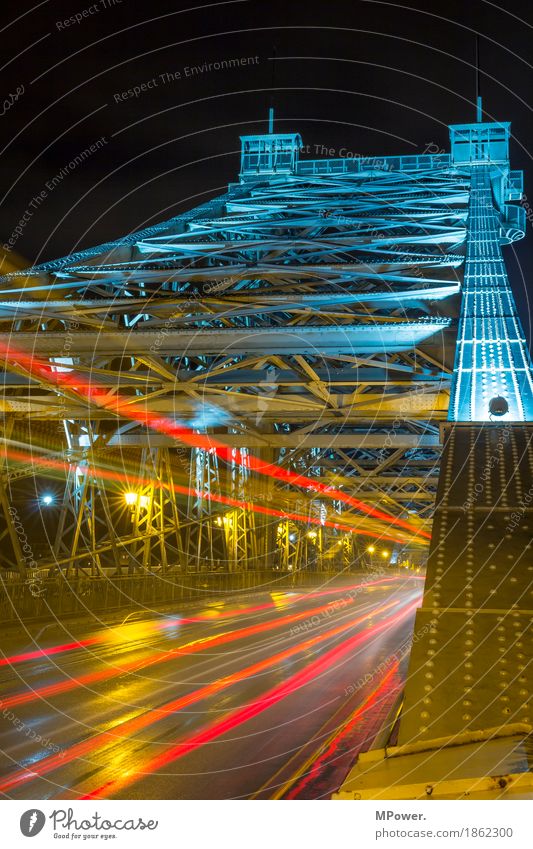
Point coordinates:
[(275, 153), (361, 230), (316, 267), (480, 143), (492, 360)]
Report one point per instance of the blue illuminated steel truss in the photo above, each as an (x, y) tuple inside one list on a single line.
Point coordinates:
[(492, 360), (309, 313)]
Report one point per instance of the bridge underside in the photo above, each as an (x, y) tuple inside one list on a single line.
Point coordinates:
[(303, 320)]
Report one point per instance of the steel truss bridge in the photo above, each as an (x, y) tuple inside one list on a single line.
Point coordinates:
[(258, 382)]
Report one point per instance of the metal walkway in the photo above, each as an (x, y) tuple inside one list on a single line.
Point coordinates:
[(492, 359)]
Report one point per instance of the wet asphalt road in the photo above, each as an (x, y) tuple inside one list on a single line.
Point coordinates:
[(232, 699)]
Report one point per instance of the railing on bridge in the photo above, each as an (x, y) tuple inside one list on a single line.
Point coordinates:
[(62, 596), (356, 164)]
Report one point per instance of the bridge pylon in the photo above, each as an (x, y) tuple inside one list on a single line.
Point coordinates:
[(466, 719)]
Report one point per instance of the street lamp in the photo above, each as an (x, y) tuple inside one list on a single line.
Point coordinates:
[(47, 500), (133, 498)]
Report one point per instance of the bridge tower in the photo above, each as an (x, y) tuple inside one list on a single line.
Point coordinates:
[(466, 716)]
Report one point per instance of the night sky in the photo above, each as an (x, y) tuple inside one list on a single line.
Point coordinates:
[(364, 76)]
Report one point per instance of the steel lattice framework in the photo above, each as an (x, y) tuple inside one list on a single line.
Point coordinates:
[(306, 319)]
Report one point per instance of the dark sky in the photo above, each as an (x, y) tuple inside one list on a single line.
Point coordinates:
[(368, 76)]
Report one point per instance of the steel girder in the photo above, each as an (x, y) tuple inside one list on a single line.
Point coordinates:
[(281, 315)]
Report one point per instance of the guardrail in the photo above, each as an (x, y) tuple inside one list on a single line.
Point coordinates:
[(356, 164), (63, 596)]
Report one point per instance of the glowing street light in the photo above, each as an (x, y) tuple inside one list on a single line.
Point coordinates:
[(47, 499), (385, 553), (371, 549), (133, 498)]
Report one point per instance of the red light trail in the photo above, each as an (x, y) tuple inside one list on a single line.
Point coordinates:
[(42, 653), (331, 750), (131, 726), (159, 657), (236, 718), (12, 660), (128, 479), (121, 406)]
